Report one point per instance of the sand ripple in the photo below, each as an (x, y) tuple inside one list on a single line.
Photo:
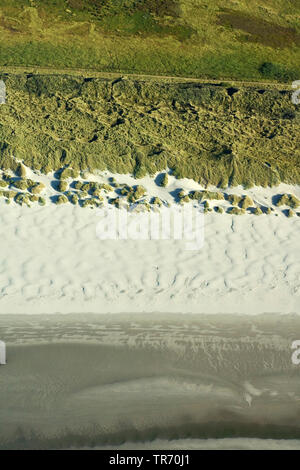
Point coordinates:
[(52, 261)]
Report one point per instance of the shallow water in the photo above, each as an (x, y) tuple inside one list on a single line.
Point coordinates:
[(149, 381)]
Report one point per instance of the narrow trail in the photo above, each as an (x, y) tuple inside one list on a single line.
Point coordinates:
[(114, 75)]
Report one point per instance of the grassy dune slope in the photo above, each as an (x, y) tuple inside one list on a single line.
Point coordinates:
[(193, 38), (216, 134)]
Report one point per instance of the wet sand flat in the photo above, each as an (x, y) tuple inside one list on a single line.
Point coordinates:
[(131, 380)]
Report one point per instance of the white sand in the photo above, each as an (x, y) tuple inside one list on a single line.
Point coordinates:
[(51, 261)]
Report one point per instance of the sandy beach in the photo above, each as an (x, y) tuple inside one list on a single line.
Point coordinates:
[(51, 261), (215, 373)]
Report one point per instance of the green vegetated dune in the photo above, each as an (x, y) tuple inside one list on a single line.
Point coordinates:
[(236, 39), (215, 134)]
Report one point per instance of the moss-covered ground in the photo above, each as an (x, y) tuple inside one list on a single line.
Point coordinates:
[(191, 38)]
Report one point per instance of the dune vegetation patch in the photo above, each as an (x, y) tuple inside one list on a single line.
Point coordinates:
[(69, 124), (288, 200), (37, 188), (290, 213), (257, 211), (234, 199), (162, 180), (156, 201), (62, 199), (246, 202), (62, 186), (201, 195), (22, 199), (236, 211), (103, 190)]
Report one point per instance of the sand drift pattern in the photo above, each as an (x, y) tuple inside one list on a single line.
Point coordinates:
[(52, 261)]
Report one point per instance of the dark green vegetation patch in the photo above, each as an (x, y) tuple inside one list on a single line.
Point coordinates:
[(136, 16), (214, 134), (260, 30)]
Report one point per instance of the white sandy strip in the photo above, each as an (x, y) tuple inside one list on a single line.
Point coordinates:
[(52, 262)]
